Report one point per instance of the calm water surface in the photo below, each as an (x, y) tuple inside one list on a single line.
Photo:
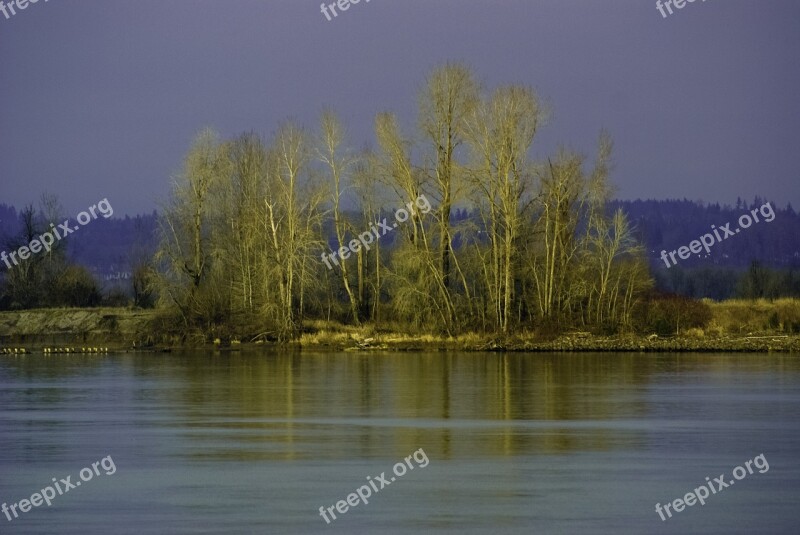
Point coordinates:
[(222, 443)]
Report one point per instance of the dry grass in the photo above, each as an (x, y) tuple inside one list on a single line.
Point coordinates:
[(323, 333), (729, 318), (694, 333), (739, 316)]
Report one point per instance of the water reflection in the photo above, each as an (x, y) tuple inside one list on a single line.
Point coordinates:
[(555, 441), (318, 405)]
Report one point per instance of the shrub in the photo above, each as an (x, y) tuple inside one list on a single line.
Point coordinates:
[(671, 314), (77, 288)]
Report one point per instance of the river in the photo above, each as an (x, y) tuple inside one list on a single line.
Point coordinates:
[(258, 442)]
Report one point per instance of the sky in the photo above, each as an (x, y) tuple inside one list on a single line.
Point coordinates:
[(102, 98)]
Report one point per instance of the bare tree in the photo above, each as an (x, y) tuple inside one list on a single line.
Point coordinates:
[(339, 166), (242, 206), (290, 227), (420, 291), (445, 103), (187, 230), (501, 132), (371, 197)]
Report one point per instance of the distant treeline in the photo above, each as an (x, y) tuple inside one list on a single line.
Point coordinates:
[(658, 224), (762, 262), (669, 224)]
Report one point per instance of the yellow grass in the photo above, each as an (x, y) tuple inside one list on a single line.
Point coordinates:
[(740, 316)]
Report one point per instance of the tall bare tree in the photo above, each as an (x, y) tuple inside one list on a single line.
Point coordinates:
[(187, 230), (290, 227), (242, 213), (445, 103), (339, 167), (421, 294), (501, 132)]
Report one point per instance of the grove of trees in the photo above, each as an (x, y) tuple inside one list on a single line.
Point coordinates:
[(248, 220)]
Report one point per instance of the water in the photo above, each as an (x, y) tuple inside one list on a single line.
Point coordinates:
[(207, 442)]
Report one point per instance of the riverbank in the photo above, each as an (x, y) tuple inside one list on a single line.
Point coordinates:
[(339, 337), (68, 328), (737, 326), (571, 342)]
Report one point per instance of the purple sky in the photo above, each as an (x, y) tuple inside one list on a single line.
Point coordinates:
[(102, 98)]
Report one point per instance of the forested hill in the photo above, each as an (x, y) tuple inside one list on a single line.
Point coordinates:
[(671, 224)]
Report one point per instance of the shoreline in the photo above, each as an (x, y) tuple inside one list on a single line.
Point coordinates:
[(569, 343), (91, 331)]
